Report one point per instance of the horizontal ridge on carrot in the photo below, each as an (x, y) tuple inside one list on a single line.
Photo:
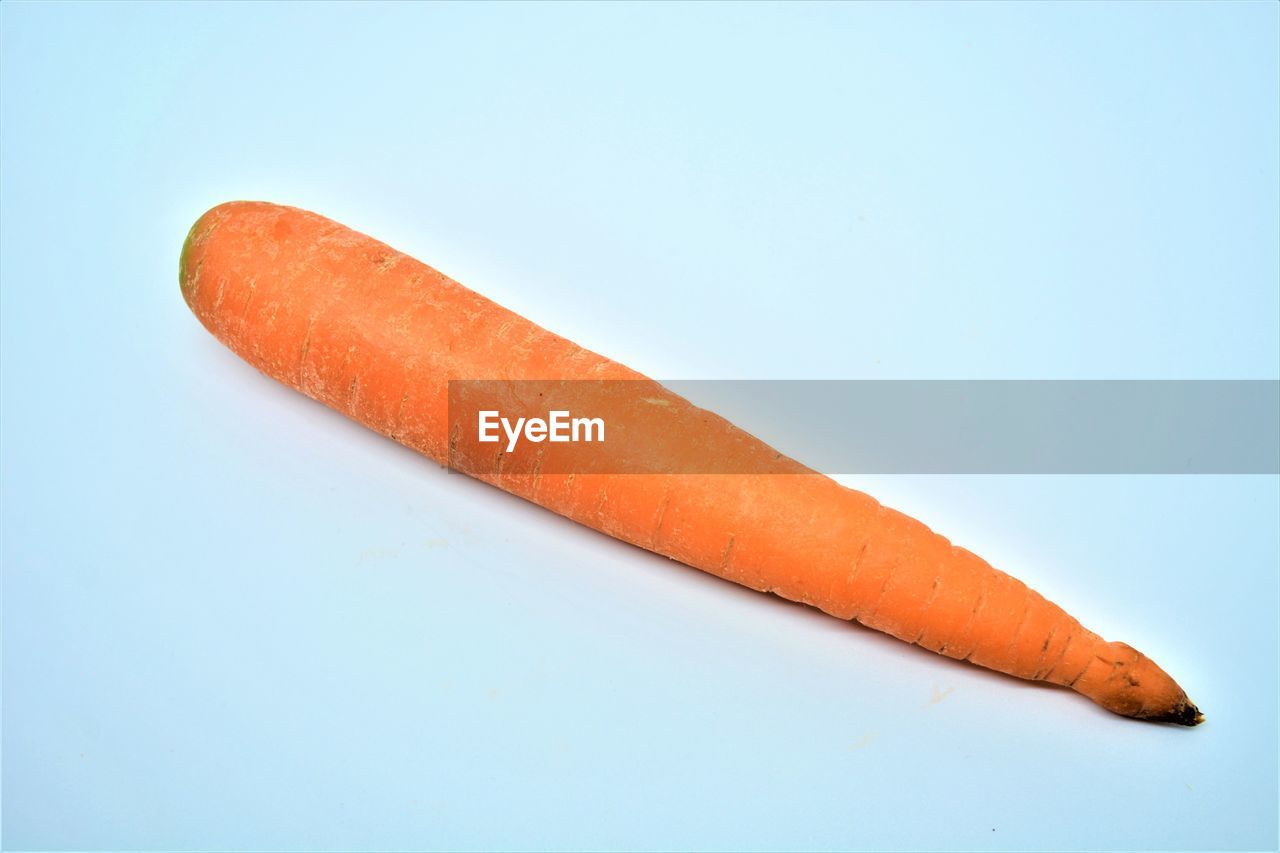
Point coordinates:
[(378, 336)]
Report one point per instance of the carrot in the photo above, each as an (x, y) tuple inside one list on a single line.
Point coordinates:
[(378, 335)]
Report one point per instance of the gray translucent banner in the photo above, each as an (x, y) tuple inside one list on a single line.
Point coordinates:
[(882, 427)]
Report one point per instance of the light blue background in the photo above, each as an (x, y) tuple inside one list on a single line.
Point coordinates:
[(233, 619)]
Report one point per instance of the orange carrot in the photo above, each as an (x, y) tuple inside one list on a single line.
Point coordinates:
[(378, 336)]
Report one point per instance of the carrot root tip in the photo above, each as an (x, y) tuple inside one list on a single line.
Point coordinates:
[(1185, 715)]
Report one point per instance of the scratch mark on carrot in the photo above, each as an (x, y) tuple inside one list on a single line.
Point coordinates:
[(726, 553)]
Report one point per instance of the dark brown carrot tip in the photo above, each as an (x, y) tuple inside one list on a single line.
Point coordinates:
[(1186, 715)]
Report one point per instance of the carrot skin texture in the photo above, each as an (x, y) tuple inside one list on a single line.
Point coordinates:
[(377, 335)]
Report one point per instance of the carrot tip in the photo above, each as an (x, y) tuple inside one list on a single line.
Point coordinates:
[(184, 277), (1184, 715)]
